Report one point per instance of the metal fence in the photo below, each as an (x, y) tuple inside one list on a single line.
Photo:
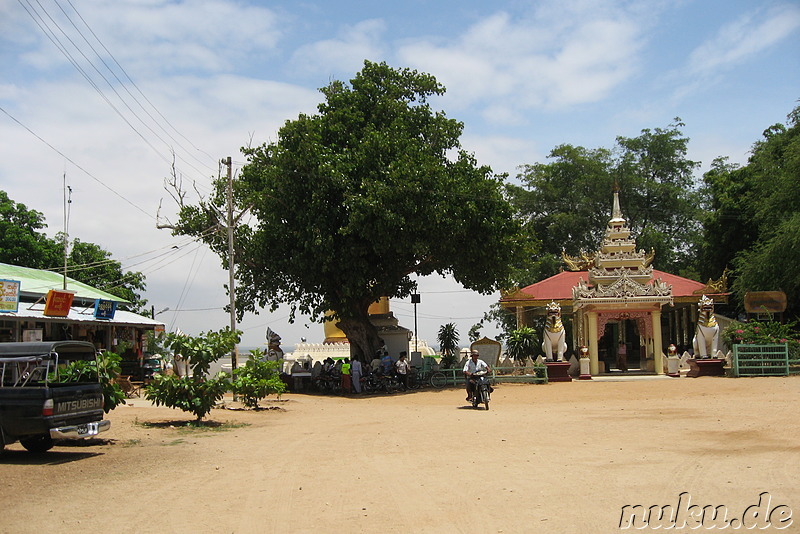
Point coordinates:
[(763, 360), (500, 375)]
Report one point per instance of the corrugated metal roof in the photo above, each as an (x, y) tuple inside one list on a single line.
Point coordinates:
[(36, 283), (81, 315)]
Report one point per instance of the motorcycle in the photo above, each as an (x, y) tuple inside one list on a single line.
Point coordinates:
[(482, 389)]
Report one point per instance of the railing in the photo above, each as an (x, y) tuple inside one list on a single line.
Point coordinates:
[(761, 360), (500, 375)]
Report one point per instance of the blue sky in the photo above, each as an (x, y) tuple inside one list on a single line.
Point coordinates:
[(210, 75)]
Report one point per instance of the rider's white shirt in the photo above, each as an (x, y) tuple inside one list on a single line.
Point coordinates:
[(473, 367)]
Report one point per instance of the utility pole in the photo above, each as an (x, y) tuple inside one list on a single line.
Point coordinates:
[(67, 202), (415, 301), (231, 263)]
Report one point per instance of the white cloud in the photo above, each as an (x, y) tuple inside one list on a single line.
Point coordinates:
[(558, 56), (504, 151), (744, 39), (346, 53), (197, 35)]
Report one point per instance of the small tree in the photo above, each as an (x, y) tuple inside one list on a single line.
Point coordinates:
[(257, 379), (448, 344), (197, 393), (522, 343)]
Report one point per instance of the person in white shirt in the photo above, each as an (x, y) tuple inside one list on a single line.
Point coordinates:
[(403, 367), (473, 365), (355, 373)]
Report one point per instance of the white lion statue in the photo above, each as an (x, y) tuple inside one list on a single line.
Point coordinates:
[(554, 338), (706, 337)]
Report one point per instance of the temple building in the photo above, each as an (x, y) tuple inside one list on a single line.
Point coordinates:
[(396, 339), (616, 296)]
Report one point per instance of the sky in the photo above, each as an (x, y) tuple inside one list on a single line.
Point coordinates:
[(105, 95)]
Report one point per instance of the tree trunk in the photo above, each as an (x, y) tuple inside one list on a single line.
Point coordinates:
[(362, 335)]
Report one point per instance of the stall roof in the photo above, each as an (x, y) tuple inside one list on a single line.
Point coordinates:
[(81, 315), (36, 283)]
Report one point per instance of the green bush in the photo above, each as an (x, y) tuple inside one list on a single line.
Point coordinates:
[(257, 379), (763, 333), (196, 396), (522, 343), (109, 369), (197, 393)]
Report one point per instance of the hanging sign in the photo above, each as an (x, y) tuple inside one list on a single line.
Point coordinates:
[(104, 309), (58, 303), (9, 296), (765, 301)]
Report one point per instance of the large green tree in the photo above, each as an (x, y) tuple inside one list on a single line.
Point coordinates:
[(23, 243), (755, 223), (566, 202), (349, 203), (660, 197), (22, 240)]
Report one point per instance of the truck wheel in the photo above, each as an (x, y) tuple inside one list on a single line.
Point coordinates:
[(37, 443)]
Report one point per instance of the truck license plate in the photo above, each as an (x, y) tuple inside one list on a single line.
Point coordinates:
[(83, 430)]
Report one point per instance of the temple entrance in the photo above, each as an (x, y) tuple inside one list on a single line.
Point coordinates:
[(625, 330)]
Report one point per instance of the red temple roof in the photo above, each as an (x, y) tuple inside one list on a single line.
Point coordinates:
[(559, 287)]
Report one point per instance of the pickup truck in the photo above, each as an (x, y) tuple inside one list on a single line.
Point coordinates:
[(48, 391)]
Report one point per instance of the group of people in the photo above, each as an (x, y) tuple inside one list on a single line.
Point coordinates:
[(352, 370)]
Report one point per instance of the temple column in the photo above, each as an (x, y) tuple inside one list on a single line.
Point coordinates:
[(520, 313), (657, 345), (594, 367)]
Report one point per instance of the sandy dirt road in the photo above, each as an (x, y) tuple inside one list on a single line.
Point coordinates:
[(545, 458)]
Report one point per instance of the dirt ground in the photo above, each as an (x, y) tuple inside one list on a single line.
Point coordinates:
[(545, 458)]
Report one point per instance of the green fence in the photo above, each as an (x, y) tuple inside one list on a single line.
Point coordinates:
[(762, 360), (500, 375)]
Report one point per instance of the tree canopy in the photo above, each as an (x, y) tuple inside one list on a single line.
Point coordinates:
[(23, 243), (754, 221), (566, 203), (349, 203)]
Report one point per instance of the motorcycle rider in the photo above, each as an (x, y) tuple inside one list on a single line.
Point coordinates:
[(474, 365)]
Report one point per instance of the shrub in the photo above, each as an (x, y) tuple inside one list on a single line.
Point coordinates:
[(522, 343), (197, 393), (104, 369), (257, 379), (763, 333)]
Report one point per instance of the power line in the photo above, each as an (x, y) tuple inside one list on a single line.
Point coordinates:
[(60, 153), (133, 83), (50, 33)]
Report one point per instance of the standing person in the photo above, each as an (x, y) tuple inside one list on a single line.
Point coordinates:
[(473, 365), (355, 374), (622, 357), (402, 367), (346, 383), (386, 363)]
